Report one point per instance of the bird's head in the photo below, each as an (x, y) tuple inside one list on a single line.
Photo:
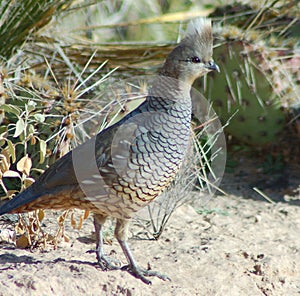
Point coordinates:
[(192, 57)]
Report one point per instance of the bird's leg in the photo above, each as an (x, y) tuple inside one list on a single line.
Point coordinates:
[(103, 261), (121, 233)]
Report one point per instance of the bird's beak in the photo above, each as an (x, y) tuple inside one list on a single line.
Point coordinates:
[(211, 65)]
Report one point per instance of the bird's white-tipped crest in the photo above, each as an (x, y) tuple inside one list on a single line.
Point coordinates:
[(199, 36), (198, 26)]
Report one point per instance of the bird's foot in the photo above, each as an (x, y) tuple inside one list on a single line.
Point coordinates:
[(142, 273), (107, 263)]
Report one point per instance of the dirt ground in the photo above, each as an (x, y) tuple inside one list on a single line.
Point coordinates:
[(239, 244)]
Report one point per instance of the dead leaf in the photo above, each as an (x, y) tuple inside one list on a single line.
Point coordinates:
[(23, 242), (73, 222), (86, 214), (80, 223), (33, 140), (24, 165), (43, 150), (4, 165), (41, 215), (11, 174), (28, 181), (66, 238)]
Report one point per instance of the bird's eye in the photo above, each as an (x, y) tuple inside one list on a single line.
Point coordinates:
[(195, 60)]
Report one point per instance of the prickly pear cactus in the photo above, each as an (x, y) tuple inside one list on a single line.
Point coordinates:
[(244, 94)]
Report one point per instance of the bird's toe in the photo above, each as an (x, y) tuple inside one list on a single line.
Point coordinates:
[(142, 274), (107, 263)]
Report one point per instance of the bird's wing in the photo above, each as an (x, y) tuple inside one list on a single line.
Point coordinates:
[(74, 170)]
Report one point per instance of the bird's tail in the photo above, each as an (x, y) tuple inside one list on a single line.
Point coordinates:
[(25, 197)]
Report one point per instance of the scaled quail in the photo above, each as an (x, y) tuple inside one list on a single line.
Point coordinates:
[(124, 167)]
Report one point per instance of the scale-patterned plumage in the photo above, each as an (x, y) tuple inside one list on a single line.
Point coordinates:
[(131, 162)]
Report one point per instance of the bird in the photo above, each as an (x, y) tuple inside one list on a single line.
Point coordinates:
[(128, 164)]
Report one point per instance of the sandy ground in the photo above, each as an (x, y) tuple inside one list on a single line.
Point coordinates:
[(236, 246)]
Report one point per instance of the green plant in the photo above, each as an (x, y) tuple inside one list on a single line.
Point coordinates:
[(254, 88)]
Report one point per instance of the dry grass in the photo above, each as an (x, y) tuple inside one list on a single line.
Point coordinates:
[(53, 85)]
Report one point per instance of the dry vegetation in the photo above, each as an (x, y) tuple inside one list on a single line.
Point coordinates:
[(55, 92)]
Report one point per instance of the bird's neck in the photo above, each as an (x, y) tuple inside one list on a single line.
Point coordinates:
[(170, 89)]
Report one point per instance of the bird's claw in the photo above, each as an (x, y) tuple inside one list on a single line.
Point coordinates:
[(105, 263), (142, 273)]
